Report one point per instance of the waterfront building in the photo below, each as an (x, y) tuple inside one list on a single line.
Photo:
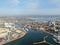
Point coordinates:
[(49, 23), (3, 32), (8, 25)]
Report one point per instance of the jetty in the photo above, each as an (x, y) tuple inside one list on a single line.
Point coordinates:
[(44, 41)]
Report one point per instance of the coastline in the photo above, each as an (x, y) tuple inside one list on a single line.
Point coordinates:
[(22, 35)]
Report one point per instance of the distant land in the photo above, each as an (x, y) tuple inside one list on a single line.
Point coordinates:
[(28, 15)]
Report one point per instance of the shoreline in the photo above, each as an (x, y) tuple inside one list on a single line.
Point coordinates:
[(22, 35)]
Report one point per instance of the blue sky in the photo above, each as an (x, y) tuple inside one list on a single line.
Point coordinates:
[(29, 7)]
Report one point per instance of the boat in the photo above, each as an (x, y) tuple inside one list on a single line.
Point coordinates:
[(57, 37)]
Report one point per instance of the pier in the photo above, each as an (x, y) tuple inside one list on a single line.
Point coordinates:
[(44, 41)]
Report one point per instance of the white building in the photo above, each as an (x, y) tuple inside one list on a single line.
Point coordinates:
[(8, 25), (3, 32)]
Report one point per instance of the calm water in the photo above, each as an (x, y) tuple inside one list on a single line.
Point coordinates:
[(32, 36), (36, 36)]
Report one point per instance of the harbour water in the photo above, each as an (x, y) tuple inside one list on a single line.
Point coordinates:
[(33, 36), (36, 36)]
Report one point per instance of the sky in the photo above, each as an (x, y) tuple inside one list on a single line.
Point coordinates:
[(29, 7)]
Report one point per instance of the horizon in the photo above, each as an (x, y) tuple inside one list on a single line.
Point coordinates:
[(27, 15)]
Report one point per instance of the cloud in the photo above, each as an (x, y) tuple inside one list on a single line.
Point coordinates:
[(30, 11), (31, 4), (56, 2), (13, 2)]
